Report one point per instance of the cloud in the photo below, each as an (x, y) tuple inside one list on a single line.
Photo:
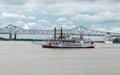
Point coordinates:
[(104, 29), (61, 20), (65, 13), (5, 15), (43, 21), (72, 1), (76, 5), (97, 18), (12, 16), (55, 5), (31, 25), (50, 27), (115, 29), (32, 17), (20, 23), (13, 2), (68, 26)]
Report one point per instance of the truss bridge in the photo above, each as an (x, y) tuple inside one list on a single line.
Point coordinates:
[(14, 30)]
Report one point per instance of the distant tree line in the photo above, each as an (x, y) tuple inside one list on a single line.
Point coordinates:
[(6, 39)]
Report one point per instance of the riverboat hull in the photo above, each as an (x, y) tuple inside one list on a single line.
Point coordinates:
[(47, 46)]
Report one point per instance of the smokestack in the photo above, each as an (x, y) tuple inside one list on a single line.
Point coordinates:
[(61, 34)]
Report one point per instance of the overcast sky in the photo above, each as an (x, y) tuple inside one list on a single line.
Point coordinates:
[(102, 15)]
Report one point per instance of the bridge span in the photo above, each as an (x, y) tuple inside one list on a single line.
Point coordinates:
[(14, 30)]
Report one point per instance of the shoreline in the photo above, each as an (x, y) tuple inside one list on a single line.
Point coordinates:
[(39, 43)]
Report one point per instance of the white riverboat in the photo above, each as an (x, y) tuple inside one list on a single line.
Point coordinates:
[(66, 41), (68, 44)]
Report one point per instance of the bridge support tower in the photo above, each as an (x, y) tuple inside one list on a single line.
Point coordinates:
[(15, 36), (10, 36)]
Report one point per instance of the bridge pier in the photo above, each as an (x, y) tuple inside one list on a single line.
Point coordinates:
[(15, 36), (10, 36)]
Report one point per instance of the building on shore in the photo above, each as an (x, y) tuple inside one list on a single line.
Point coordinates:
[(116, 40), (108, 38)]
